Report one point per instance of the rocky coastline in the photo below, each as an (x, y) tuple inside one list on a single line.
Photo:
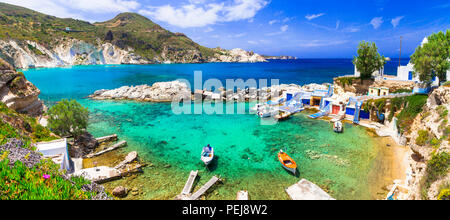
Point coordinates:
[(69, 52), (178, 91)]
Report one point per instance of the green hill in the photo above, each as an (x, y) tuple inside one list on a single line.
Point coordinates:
[(126, 30)]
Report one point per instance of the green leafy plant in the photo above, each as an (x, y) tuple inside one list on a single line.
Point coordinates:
[(68, 118), (423, 138), (437, 166), (432, 58), (368, 60), (346, 81), (42, 182)]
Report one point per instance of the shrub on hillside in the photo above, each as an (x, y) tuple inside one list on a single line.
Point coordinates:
[(68, 118)]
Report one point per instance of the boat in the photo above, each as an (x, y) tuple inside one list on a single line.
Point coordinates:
[(207, 155), (283, 116), (287, 162), (256, 108), (267, 112), (338, 127), (242, 195)]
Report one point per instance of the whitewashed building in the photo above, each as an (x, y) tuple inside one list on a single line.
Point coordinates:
[(406, 73), (57, 152), (378, 73)]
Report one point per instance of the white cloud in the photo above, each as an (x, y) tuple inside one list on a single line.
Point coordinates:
[(200, 15), (186, 16), (283, 29), (320, 43), (376, 22), (396, 21), (273, 22), (286, 20), (209, 29), (72, 8), (252, 42), (314, 16), (243, 9), (338, 23)]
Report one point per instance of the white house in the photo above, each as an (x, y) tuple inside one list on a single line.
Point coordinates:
[(406, 73), (57, 152)]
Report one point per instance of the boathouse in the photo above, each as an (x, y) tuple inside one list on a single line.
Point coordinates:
[(57, 152), (317, 96), (336, 106), (354, 110)]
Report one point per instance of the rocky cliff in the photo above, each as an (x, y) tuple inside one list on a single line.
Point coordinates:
[(29, 54), (17, 92), (429, 136)]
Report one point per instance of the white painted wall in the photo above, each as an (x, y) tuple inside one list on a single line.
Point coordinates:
[(377, 73)]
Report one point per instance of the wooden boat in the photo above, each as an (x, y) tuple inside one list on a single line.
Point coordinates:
[(207, 155), (338, 127), (287, 162)]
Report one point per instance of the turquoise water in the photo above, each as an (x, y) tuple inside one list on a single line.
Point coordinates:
[(246, 150)]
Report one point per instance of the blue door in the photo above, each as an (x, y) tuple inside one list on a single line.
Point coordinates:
[(350, 111), (288, 97), (365, 115), (410, 76)]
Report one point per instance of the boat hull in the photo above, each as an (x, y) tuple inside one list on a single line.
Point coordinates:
[(208, 160), (287, 162), (292, 170)]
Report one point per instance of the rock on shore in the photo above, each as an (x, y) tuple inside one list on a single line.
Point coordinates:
[(159, 92), (176, 90), (17, 92)]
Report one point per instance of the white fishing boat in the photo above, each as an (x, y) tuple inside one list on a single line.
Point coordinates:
[(338, 127), (207, 155), (268, 112), (256, 108)]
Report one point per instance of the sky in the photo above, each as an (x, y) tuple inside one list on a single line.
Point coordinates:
[(301, 28)]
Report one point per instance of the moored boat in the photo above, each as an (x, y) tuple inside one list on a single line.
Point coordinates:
[(287, 162), (338, 127), (283, 116), (207, 155)]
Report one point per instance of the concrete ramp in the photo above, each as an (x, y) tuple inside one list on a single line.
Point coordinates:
[(305, 190), (204, 188), (190, 182)]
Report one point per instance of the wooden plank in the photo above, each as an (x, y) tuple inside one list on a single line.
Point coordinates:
[(109, 138), (204, 188), (114, 147), (190, 182)]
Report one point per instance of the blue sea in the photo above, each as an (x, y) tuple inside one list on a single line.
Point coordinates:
[(345, 165)]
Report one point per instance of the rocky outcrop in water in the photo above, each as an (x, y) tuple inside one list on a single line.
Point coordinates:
[(17, 92), (159, 92), (176, 90)]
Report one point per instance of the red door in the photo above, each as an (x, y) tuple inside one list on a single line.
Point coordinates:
[(336, 109)]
